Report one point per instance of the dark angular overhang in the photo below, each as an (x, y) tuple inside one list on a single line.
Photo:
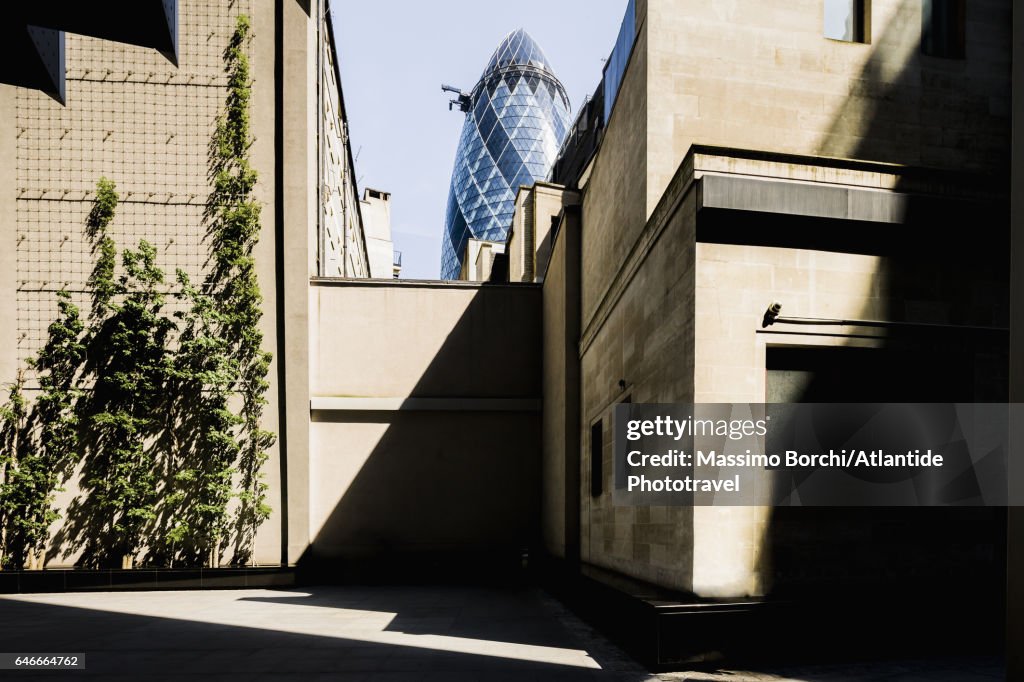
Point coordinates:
[(33, 35)]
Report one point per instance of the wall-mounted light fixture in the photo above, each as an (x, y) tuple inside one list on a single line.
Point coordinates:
[(773, 316)]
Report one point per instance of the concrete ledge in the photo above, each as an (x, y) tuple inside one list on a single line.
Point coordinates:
[(417, 283), (111, 580), (790, 195), (328, 404), (825, 201), (847, 172), (668, 630)]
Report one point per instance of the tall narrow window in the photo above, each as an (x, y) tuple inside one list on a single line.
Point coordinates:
[(943, 25), (847, 20), (596, 459)]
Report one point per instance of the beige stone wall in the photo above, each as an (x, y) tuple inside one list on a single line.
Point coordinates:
[(262, 156), (299, 212), (561, 485), (135, 118), (391, 485), (674, 323), (548, 201), (734, 286), (732, 547), (758, 74), (682, 322), (529, 246), (144, 123), (478, 260), (426, 418), (614, 210), (376, 211), (484, 263), (9, 360), (429, 341), (557, 355), (641, 337), (520, 242), (736, 283)]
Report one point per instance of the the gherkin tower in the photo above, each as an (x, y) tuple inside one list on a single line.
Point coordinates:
[(516, 118)]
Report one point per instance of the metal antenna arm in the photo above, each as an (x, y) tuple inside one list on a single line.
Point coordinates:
[(463, 99)]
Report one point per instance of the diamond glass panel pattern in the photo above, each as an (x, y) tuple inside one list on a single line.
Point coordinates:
[(515, 125)]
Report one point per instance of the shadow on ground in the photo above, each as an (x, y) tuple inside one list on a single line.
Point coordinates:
[(394, 633)]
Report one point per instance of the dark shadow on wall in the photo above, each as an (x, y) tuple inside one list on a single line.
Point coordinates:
[(927, 577), (450, 492)]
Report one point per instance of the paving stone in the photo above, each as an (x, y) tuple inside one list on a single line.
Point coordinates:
[(379, 634)]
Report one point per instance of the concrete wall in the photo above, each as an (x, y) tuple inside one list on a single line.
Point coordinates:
[(9, 360), (145, 124), (734, 547), (263, 156), (548, 202), (561, 488), (637, 345), (478, 260), (529, 245), (376, 212), (298, 239), (520, 243), (483, 264), (904, 277), (140, 121), (681, 323), (615, 194), (758, 74), (426, 418)]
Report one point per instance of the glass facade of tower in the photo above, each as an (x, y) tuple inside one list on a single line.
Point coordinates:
[(518, 116)]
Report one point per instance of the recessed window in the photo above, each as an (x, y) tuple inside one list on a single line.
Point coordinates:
[(943, 25), (847, 20), (596, 459)]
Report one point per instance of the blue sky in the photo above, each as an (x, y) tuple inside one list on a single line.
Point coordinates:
[(395, 54)]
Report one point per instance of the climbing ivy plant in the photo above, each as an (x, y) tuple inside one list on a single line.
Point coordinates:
[(58, 364), (235, 299), (41, 441), (130, 363), (202, 427), (104, 207), (14, 485), (40, 444), (168, 433)]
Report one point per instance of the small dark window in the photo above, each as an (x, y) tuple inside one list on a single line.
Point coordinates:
[(848, 20), (596, 459), (943, 25)]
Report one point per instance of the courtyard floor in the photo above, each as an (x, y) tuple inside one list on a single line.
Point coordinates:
[(445, 634)]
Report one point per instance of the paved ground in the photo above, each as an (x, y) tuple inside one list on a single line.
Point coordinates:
[(439, 634)]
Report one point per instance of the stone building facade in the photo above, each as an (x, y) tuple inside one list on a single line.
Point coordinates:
[(747, 159), (739, 157), (141, 120)]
